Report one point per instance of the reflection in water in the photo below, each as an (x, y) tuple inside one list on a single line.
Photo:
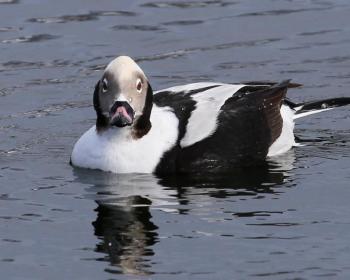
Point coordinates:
[(124, 224), (126, 235)]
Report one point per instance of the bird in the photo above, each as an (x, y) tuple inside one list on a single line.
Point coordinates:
[(203, 127)]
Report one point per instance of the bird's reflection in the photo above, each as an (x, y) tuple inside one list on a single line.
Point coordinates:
[(126, 236), (124, 224), (240, 181)]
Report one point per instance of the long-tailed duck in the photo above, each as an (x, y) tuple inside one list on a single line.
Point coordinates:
[(199, 127)]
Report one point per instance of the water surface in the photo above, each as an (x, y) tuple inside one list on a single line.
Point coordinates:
[(287, 220)]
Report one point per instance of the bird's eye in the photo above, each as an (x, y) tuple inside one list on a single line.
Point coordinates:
[(104, 85), (139, 86)]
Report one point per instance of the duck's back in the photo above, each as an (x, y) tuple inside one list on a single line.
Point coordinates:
[(221, 126)]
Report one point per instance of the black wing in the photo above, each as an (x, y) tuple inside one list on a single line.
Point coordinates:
[(248, 123)]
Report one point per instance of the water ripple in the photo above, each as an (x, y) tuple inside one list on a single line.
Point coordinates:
[(183, 52), (6, 197), (281, 12), (11, 240), (4, 92), (187, 4), (81, 17), (256, 213), (25, 65), (30, 39), (161, 56), (49, 81), (269, 274), (43, 112), (16, 64), (320, 32), (334, 59), (137, 27), (285, 224), (7, 260), (184, 22), (10, 28), (53, 108), (9, 1), (240, 65)]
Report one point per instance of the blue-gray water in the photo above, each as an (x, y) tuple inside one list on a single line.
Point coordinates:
[(290, 220)]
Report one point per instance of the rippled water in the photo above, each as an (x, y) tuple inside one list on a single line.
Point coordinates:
[(287, 220)]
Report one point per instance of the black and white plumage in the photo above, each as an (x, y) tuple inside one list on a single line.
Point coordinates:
[(200, 127)]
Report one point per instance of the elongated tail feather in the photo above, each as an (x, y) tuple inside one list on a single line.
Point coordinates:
[(313, 107)]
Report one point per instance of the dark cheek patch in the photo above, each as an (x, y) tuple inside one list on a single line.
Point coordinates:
[(102, 120), (143, 123)]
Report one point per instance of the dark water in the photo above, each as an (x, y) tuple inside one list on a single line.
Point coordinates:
[(288, 220)]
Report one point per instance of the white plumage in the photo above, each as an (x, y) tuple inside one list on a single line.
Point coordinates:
[(116, 151)]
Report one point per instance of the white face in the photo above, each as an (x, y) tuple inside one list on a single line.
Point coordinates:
[(123, 81)]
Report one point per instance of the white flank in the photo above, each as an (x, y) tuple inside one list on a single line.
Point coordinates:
[(286, 140), (114, 150), (203, 120)]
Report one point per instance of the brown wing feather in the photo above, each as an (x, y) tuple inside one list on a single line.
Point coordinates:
[(263, 104), (269, 101)]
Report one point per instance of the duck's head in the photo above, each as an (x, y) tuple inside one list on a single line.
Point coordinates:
[(123, 98)]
